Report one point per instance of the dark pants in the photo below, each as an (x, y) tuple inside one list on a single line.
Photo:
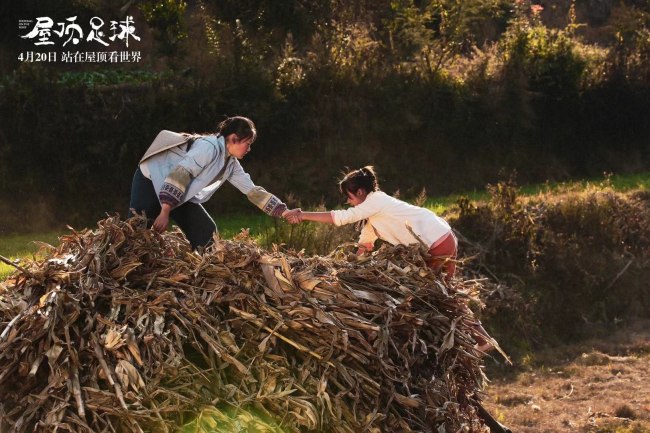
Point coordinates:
[(192, 218)]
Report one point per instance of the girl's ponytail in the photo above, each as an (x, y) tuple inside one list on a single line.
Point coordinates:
[(354, 180)]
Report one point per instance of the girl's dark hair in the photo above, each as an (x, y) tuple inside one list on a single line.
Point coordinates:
[(365, 178), (241, 126)]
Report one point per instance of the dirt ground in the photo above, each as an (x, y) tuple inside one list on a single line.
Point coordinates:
[(599, 386)]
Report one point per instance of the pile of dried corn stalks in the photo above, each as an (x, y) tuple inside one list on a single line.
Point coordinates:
[(121, 329)]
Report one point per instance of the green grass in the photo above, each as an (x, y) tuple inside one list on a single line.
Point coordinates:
[(616, 182), (16, 246), (109, 77), (230, 225)]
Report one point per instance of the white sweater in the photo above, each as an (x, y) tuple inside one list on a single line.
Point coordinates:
[(203, 161), (388, 218)]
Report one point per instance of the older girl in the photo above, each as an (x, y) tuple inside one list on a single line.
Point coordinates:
[(172, 181)]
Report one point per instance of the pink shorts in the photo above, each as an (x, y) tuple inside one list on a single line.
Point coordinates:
[(443, 254)]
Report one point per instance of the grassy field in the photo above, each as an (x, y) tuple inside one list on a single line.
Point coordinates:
[(21, 245), (616, 182)]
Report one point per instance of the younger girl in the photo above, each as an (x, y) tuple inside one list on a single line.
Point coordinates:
[(394, 221), (388, 218)]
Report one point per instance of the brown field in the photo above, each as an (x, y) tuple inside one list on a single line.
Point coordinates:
[(599, 386)]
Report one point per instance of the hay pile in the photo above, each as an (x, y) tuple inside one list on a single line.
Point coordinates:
[(123, 330)]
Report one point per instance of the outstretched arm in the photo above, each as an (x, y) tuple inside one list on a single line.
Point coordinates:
[(295, 216), (267, 202), (319, 217)]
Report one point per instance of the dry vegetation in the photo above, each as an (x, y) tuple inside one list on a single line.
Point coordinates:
[(562, 266), (124, 330)]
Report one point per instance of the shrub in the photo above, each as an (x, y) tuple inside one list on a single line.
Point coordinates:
[(571, 264), (548, 58), (166, 19)]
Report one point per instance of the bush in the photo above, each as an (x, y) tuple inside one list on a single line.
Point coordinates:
[(548, 58), (573, 262)]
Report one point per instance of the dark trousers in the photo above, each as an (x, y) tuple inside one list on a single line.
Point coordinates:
[(192, 218)]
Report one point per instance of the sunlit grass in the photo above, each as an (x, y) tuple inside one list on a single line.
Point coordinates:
[(230, 225), (22, 245), (212, 419), (621, 183)]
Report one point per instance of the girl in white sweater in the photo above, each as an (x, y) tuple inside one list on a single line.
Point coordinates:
[(388, 218), (394, 221)]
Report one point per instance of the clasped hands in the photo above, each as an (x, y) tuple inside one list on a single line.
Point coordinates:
[(293, 216)]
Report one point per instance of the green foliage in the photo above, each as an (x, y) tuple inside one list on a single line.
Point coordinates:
[(353, 51), (429, 34), (631, 54), (109, 77), (212, 419), (410, 26), (166, 19), (272, 20), (547, 57)]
